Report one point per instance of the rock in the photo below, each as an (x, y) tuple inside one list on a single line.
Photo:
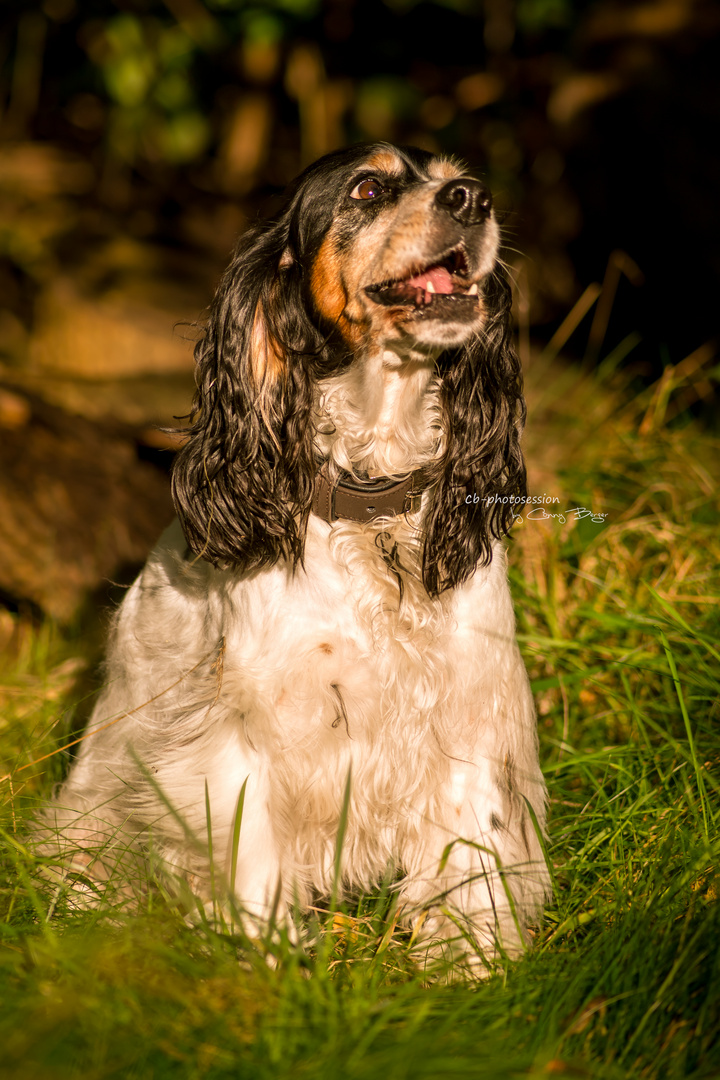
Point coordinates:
[(78, 505)]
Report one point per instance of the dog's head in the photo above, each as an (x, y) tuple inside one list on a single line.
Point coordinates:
[(406, 241), (377, 251)]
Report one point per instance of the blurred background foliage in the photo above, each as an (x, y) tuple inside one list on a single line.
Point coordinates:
[(138, 137), (177, 118)]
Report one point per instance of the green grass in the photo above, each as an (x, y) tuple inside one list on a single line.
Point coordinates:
[(620, 626)]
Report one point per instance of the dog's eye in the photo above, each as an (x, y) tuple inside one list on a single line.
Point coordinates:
[(367, 189)]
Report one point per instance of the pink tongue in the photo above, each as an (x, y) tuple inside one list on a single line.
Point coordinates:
[(438, 275)]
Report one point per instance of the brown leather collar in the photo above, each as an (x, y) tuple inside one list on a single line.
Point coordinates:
[(355, 500)]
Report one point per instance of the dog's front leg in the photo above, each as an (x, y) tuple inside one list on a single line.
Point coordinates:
[(475, 874), (251, 865)]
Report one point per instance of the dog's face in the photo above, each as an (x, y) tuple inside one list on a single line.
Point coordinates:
[(407, 239), (378, 288)]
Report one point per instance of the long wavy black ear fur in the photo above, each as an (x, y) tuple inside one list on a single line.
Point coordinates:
[(242, 482), (484, 414)]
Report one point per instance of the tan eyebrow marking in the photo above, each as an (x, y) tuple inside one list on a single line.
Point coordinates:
[(385, 162), (445, 169)]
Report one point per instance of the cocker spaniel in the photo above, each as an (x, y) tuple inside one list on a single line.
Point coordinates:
[(330, 618)]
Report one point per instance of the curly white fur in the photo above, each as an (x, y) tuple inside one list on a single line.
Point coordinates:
[(293, 681)]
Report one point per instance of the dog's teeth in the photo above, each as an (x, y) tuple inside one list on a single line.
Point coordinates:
[(473, 290), (430, 287)]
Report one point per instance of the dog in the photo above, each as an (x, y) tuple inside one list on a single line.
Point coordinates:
[(325, 637)]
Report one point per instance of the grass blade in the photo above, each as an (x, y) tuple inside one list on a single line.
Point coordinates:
[(237, 823), (342, 827), (688, 729)]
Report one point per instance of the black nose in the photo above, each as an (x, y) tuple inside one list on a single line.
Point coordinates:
[(468, 201)]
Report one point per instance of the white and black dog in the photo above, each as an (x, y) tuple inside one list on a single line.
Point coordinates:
[(333, 600)]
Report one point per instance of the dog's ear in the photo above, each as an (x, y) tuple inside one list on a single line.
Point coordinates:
[(242, 482), (482, 468)]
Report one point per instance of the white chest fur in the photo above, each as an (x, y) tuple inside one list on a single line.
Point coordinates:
[(296, 682)]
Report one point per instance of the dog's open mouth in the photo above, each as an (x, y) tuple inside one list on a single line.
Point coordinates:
[(438, 285)]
